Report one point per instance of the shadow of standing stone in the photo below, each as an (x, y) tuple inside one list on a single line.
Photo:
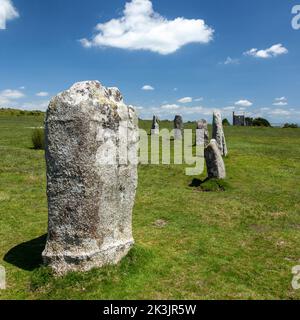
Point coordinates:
[(27, 255)]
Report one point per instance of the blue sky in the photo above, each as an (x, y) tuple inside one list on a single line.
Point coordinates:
[(195, 55)]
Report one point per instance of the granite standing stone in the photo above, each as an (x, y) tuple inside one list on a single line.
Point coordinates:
[(155, 126), (202, 134), (90, 192), (218, 133), (214, 161), (178, 127)]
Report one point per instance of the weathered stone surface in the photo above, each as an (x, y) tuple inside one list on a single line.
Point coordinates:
[(178, 127), (155, 125), (218, 133), (90, 190), (202, 134), (214, 161)]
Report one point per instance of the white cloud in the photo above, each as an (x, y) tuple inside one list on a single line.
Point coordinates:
[(170, 110), (274, 51), (35, 105), (280, 102), (185, 100), (7, 96), (42, 94), (14, 98), (231, 61), (170, 107), (138, 108), (281, 99), (244, 103), (229, 108), (147, 87), (196, 110), (11, 94), (141, 28), (22, 88), (7, 12), (280, 112), (182, 110), (199, 99)]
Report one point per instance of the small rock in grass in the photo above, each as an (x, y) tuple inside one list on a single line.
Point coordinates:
[(160, 223)]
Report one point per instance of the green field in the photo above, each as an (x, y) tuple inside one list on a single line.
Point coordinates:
[(238, 244)]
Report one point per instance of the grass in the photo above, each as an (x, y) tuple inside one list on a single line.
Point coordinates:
[(238, 239)]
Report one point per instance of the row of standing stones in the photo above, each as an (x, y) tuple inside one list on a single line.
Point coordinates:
[(90, 203), (214, 150)]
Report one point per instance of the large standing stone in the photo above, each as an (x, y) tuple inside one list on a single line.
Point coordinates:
[(155, 125), (178, 127), (214, 161), (90, 190), (2, 278), (202, 134), (218, 133)]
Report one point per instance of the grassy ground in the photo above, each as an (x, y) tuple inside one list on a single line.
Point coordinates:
[(237, 244)]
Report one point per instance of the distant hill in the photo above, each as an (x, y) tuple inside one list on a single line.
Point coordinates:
[(17, 112)]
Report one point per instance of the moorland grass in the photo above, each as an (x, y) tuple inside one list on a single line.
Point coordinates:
[(237, 243)]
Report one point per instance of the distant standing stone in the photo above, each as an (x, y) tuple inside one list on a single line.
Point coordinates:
[(178, 128), (90, 192), (202, 134), (214, 161), (218, 133), (155, 126)]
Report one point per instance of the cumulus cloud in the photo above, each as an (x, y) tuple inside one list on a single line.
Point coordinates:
[(231, 61), (15, 99), (147, 87), (141, 28), (11, 94), (173, 109), (280, 112), (42, 94), (185, 100), (170, 107), (168, 111), (280, 101), (274, 51), (7, 12), (35, 105), (138, 108), (7, 96), (230, 108), (244, 103)]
